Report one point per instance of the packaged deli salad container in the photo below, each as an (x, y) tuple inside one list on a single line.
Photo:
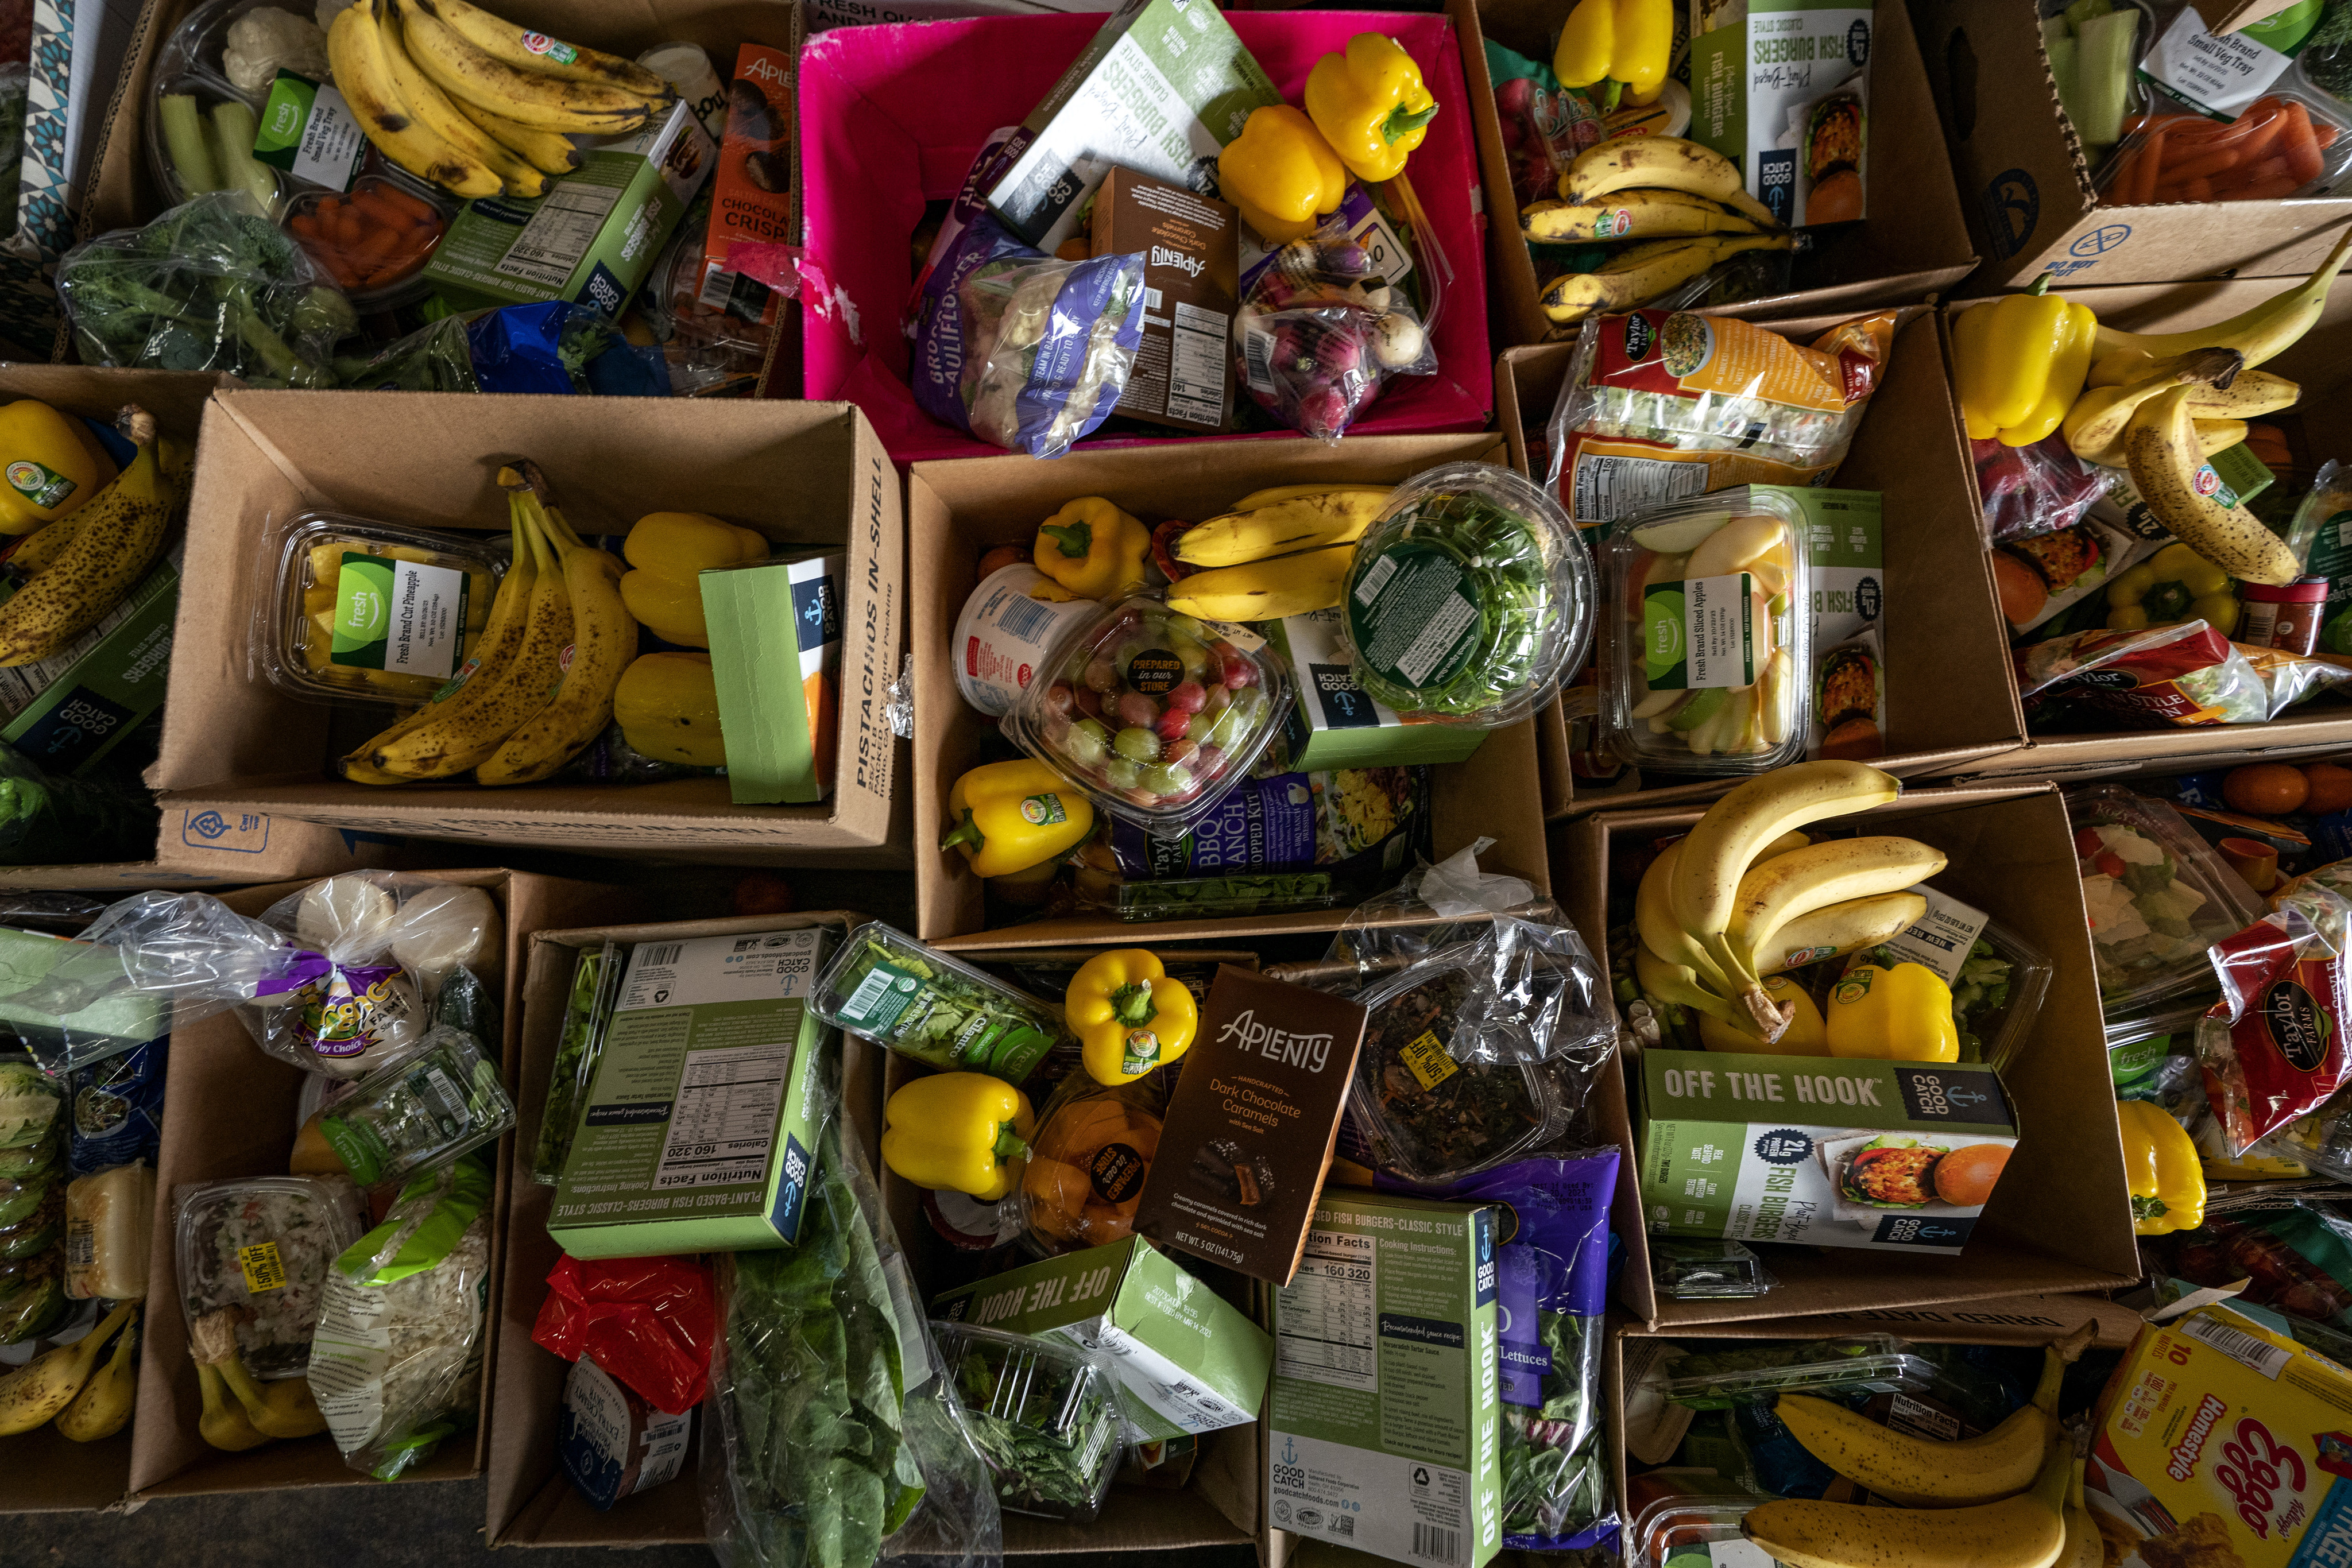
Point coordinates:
[(1469, 599), (1154, 713), (253, 1259), (944, 1013), (2157, 894), (372, 612), (1706, 666)]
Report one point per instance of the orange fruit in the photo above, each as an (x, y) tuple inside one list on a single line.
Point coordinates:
[(2331, 788), (2265, 788)]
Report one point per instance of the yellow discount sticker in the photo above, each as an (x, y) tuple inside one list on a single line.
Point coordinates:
[(1429, 1060), (264, 1269)]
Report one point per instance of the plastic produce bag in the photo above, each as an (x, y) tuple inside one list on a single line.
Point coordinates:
[(424, 1107), (116, 1113), (2274, 1048), (1321, 330), (648, 1321), (553, 347), (2185, 675), (212, 285), (1047, 348), (2033, 490), (839, 1441), (397, 1357)]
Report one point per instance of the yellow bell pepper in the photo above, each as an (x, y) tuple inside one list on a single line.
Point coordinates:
[(1129, 1016), (965, 1130), (1623, 46), (670, 551), (1007, 817), (667, 707), (1280, 173), (1093, 549), (2174, 585), (2160, 1170), (1902, 1014), (2021, 362), (1371, 105), (50, 462)]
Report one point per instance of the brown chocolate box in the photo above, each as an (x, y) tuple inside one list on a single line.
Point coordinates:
[(1184, 373), (1250, 1129)]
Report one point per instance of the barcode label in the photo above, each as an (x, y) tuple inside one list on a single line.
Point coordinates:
[(2248, 1351), (1375, 580), (1025, 619), (1257, 353), (656, 953), (1151, 299), (1434, 1545), (718, 283), (559, 233), (869, 991)]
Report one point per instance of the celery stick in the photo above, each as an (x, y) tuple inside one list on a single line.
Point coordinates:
[(183, 139), (2082, 11), (2102, 75), (234, 129), (2063, 53)]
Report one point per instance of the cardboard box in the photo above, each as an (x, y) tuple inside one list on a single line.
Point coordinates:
[(229, 1112), (1183, 372), (699, 1128), (1915, 242), (1949, 701), (957, 510), (1187, 1359), (431, 460), (2060, 1220), (2025, 183), (1382, 1427), (905, 109), (531, 1501), (775, 653), (1334, 722)]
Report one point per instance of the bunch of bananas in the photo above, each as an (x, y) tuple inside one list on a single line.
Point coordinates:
[(2012, 1497), (1283, 551), (540, 688), (474, 103), (1748, 895), (2159, 405), (1684, 206), (79, 567), (241, 1412), (56, 1384)]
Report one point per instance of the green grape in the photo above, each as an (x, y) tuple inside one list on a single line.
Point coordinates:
[(1137, 743), (1167, 778), (1086, 743), (1122, 774)]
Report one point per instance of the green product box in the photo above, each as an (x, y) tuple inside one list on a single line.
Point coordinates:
[(1381, 1433), (2242, 472), (1847, 547), (1781, 88), (699, 1128), (1828, 1152), (1333, 723), (775, 661), (1188, 1360), (116, 1021), (69, 710), (1161, 91), (593, 237)]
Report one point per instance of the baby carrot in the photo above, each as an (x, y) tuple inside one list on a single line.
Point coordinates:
[(2300, 146), (417, 209), (2137, 182)]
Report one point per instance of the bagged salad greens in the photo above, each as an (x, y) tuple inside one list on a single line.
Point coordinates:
[(1044, 1416), (2183, 675), (939, 1011)]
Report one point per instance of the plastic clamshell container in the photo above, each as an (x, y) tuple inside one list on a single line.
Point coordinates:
[(1028, 1397), (1104, 717), (1469, 599), (1678, 1529), (1697, 588), (296, 635), (2123, 181), (2000, 1032), (1868, 1363), (422, 1110), (190, 63), (1690, 1270), (429, 210), (260, 1249), (1376, 1131), (2140, 962), (109, 1217), (938, 1011)]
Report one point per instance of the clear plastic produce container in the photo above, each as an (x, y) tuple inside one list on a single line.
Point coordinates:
[(2157, 894), (253, 1255), (2290, 141), (1154, 715), (397, 632), (1708, 667), (1469, 599), (1043, 1414), (941, 1011), (1867, 1363), (420, 1111), (1998, 978), (1695, 1531)]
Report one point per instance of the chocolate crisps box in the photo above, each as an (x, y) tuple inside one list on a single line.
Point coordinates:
[(2222, 1445)]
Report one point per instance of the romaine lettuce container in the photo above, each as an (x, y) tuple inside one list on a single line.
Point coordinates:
[(1706, 662), (1154, 715), (1866, 1363), (396, 632), (1469, 599), (2156, 895)]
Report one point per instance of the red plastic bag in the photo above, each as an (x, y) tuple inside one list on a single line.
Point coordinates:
[(2273, 1047), (648, 1321)]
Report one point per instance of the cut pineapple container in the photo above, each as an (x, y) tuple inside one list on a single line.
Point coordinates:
[(373, 611)]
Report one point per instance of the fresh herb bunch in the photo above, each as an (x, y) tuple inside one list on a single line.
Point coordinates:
[(595, 986), (952, 1021), (1041, 1417), (212, 285), (814, 1391)]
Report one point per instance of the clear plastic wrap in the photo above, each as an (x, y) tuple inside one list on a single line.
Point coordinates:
[(595, 989), (1694, 1271), (838, 1441), (252, 1259), (2185, 675), (2157, 896), (934, 1007), (1707, 664), (1156, 715), (1047, 347), (1469, 599), (1045, 1415), (1322, 330), (396, 1358), (1088, 1158), (2275, 1049), (424, 1108), (2032, 490), (322, 638), (1865, 1363), (2284, 144)]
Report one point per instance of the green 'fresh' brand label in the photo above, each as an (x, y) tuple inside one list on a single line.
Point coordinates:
[(399, 615), (1699, 633)]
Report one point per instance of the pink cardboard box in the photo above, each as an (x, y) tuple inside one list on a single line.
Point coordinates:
[(891, 117)]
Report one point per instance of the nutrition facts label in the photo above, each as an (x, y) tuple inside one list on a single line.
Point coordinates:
[(1327, 1317), (724, 1120), (1196, 371), (559, 233)]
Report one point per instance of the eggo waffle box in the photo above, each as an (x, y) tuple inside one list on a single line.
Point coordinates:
[(2222, 1445)]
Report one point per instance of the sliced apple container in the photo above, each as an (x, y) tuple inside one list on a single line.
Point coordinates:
[(1706, 661)]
